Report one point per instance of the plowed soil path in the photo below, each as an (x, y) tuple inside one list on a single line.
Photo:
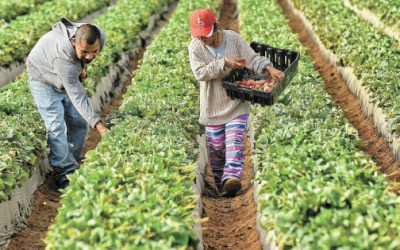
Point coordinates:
[(231, 221)]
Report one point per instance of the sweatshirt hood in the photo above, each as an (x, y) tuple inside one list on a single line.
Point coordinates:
[(62, 37), (65, 30)]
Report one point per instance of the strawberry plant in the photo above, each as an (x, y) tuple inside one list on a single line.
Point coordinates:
[(318, 190), (119, 35), (23, 138), (387, 11), (22, 128), (357, 44), (136, 185), (10, 9), (21, 34)]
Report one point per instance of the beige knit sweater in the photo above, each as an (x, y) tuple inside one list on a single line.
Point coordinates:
[(216, 108)]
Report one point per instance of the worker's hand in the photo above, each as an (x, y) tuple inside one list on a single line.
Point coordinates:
[(101, 127), (235, 62), (83, 76), (276, 74)]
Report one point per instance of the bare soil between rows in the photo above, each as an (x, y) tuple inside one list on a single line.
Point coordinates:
[(372, 143), (231, 221)]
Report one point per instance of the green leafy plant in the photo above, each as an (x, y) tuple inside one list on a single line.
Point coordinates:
[(23, 138), (386, 10), (10, 9), (137, 183), (357, 44), (318, 189), (18, 109), (21, 34)]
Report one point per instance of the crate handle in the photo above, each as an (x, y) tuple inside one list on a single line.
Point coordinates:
[(279, 56), (262, 50), (254, 45), (270, 55), (289, 58)]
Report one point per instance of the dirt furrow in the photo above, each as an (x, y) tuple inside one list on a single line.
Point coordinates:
[(372, 143), (231, 221)]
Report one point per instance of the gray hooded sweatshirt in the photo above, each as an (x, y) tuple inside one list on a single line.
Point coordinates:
[(53, 61)]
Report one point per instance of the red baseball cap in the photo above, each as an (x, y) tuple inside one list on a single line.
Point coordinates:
[(202, 23)]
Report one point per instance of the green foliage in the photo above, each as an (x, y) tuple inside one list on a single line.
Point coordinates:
[(20, 35), (10, 9), (134, 190), (318, 189), (18, 109), (357, 44), (22, 136), (120, 35), (388, 11)]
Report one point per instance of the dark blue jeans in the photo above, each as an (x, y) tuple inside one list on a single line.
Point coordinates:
[(66, 129)]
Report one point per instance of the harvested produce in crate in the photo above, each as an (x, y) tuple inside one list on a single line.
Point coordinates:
[(265, 85), (246, 85)]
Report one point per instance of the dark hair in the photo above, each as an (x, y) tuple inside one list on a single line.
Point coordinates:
[(89, 33), (215, 27)]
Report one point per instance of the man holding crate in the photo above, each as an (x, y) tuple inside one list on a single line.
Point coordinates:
[(56, 68)]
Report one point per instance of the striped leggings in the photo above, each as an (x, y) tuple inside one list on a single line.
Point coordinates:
[(225, 149)]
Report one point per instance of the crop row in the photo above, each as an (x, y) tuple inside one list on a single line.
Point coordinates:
[(21, 127), (122, 35), (386, 10), (318, 190), (134, 190), (10, 9), (20, 35), (357, 44), (22, 136)]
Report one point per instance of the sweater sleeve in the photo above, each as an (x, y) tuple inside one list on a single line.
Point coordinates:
[(69, 76), (262, 71), (254, 61), (201, 70)]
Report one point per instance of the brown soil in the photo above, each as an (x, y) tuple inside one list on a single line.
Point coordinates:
[(228, 19), (47, 197), (231, 221), (372, 143), (45, 209)]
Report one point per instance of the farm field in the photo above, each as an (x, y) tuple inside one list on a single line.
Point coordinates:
[(321, 163)]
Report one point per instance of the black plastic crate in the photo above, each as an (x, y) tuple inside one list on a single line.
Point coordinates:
[(285, 60)]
